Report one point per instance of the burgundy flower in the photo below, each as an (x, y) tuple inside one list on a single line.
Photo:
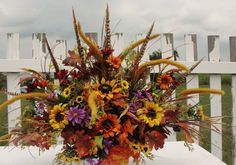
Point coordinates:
[(106, 52), (62, 74)]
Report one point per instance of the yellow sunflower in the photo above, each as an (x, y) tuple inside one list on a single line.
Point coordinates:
[(58, 117), (66, 93), (124, 84), (138, 147), (79, 99), (151, 113), (69, 159), (201, 114), (106, 89)]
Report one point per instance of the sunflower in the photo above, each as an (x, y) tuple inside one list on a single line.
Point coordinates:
[(58, 117), (124, 84), (164, 81), (151, 113), (66, 93), (79, 99), (106, 89), (69, 156), (138, 147), (201, 114), (109, 125)]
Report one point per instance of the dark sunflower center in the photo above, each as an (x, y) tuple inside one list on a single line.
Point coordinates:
[(107, 124), (59, 117), (151, 113), (165, 80), (145, 149), (104, 88)]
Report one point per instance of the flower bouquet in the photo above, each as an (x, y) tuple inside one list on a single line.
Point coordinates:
[(103, 107)]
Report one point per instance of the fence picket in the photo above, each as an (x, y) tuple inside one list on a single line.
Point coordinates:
[(215, 100), (232, 42), (192, 80), (13, 52)]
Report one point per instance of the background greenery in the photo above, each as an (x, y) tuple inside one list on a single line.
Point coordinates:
[(205, 139)]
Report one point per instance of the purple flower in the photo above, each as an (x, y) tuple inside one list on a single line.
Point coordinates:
[(40, 106), (133, 107), (76, 115), (91, 161), (52, 95), (107, 144), (144, 94)]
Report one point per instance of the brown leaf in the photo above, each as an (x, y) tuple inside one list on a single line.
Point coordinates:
[(72, 60), (186, 132), (83, 143), (155, 139)]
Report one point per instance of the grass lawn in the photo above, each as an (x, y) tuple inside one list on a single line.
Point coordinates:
[(3, 118), (204, 100)]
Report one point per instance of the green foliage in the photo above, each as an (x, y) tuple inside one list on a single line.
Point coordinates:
[(2, 81)]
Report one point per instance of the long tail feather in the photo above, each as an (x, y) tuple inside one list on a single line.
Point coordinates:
[(54, 62), (134, 45), (107, 41), (24, 96), (79, 46), (97, 54)]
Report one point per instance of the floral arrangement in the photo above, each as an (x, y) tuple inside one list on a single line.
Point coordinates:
[(103, 107)]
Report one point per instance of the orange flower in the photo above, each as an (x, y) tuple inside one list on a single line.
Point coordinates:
[(119, 154), (115, 62), (127, 128), (164, 81), (109, 125)]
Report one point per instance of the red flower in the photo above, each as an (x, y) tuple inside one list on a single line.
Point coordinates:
[(75, 74), (43, 83), (62, 74)]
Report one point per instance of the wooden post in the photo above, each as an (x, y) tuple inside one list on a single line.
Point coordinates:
[(60, 51), (13, 52), (192, 81), (215, 100), (39, 47), (167, 45), (232, 42), (117, 41)]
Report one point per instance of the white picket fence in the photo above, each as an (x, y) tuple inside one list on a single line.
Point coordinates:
[(11, 66)]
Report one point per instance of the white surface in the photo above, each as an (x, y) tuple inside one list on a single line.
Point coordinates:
[(174, 153)]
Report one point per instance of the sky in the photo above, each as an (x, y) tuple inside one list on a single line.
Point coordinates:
[(201, 17)]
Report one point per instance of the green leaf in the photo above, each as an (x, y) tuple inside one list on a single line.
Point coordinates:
[(99, 140)]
